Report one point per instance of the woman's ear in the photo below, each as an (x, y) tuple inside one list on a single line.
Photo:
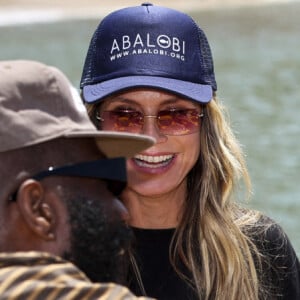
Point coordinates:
[(36, 211)]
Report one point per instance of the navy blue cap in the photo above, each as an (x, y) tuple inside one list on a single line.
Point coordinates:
[(148, 46)]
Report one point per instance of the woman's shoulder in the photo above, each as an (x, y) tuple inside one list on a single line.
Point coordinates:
[(268, 230), (272, 243), (269, 237), (280, 262)]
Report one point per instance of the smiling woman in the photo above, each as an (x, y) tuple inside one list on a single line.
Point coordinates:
[(193, 240)]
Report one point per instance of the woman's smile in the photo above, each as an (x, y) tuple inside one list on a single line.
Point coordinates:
[(153, 161)]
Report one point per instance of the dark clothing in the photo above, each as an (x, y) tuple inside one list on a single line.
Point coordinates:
[(161, 281), (282, 268), (40, 276), (158, 276)]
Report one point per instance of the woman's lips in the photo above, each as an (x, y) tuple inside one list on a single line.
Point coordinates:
[(153, 161)]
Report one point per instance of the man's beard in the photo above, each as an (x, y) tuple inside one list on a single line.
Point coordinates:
[(99, 241)]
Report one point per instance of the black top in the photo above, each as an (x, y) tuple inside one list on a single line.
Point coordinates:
[(161, 281)]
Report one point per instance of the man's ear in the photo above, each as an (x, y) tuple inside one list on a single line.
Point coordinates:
[(37, 213)]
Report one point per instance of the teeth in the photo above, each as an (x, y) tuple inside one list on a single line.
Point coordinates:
[(153, 159)]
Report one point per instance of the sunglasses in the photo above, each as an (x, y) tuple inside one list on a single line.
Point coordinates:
[(169, 122), (112, 171)]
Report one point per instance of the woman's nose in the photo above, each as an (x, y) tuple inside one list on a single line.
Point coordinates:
[(151, 128)]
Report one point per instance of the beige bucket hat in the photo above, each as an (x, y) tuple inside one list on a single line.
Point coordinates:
[(38, 104)]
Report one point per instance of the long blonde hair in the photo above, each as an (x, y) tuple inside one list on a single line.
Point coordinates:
[(211, 239)]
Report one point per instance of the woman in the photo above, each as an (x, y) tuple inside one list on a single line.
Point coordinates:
[(149, 70)]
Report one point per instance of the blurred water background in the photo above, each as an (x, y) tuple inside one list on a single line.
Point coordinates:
[(257, 64)]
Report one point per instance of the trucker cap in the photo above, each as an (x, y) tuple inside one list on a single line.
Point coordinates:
[(38, 104), (148, 46)]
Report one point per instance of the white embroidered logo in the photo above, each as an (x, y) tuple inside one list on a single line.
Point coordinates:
[(146, 44)]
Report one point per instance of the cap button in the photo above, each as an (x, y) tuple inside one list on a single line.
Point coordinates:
[(147, 4)]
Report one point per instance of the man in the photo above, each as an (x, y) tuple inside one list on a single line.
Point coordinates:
[(57, 207)]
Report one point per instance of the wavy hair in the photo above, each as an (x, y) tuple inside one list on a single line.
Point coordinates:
[(212, 239)]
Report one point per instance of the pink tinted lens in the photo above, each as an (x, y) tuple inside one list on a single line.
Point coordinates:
[(131, 121), (178, 122)]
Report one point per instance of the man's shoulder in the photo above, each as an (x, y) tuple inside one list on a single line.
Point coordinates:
[(24, 274)]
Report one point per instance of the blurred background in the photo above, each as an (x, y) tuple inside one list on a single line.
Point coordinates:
[(257, 62)]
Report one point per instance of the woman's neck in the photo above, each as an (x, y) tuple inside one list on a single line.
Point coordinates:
[(154, 211)]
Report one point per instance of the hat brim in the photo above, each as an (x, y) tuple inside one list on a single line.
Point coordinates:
[(116, 144), (194, 91)]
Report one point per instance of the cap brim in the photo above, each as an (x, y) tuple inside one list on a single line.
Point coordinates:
[(116, 144), (195, 91)]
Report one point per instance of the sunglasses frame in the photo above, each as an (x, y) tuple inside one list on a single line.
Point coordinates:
[(112, 170), (200, 115)]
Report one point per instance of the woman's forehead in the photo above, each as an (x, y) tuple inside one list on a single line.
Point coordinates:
[(147, 96)]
